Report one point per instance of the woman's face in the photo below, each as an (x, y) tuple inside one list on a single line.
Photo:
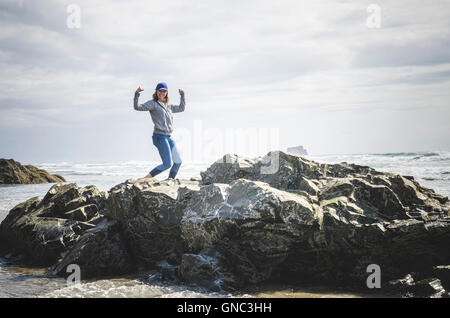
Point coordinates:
[(161, 94)]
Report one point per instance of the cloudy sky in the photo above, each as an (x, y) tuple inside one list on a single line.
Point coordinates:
[(258, 75)]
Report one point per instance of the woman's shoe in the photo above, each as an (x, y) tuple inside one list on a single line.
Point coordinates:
[(148, 177)]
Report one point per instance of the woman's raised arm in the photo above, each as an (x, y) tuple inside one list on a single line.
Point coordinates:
[(179, 108), (147, 106)]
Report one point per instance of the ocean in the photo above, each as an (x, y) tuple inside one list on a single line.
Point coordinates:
[(430, 169)]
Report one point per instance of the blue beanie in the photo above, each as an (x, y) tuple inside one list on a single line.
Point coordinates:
[(161, 86)]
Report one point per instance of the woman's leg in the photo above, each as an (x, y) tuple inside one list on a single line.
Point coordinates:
[(176, 159), (161, 142)]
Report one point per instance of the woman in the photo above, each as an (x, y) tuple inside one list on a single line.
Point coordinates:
[(161, 112)]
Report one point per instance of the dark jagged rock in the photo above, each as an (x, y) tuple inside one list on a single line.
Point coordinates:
[(245, 221), (12, 172), (207, 269), (164, 273), (409, 287), (249, 221), (264, 229), (40, 230), (443, 273), (150, 213), (374, 191), (358, 216), (100, 251)]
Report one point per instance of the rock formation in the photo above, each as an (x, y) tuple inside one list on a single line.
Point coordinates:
[(12, 172), (299, 150), (246, 221), (39, 230)]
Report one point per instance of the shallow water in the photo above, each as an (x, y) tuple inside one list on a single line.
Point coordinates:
[(32, 282), (274, 290), (26, 282)]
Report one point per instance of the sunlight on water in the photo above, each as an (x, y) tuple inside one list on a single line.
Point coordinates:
[(26, 282)]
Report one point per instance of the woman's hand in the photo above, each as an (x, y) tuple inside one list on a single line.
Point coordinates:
[(139, 89), (181, 91)]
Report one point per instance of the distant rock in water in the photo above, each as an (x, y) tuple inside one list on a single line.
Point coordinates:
[(299, 150), (248, 220), (12, 172)]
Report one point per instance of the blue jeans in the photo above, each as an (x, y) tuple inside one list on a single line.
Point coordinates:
[(168, 152)]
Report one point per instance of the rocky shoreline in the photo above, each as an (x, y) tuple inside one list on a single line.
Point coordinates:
[(247, 220), (12, 172)]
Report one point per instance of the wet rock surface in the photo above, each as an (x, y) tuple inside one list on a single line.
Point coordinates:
[(39, 230), (246, 221), (410, 287), (150, 215), (100, 251), (208, 269)]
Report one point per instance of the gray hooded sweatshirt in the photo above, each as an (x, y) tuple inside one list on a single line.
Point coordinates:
[(161, 113)]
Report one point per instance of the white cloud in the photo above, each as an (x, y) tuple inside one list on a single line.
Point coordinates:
[(298, 58)]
